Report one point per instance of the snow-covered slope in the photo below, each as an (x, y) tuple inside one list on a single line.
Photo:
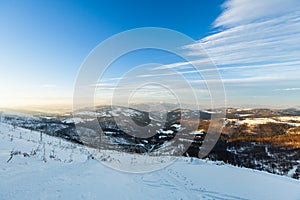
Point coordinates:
[(44, 167)]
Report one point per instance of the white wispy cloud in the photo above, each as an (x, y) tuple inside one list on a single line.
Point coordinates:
[(257, 79), (101, 85), (255, 39), (183, 65), (49, 86), (237, 12), (288, 89), (271, 41)]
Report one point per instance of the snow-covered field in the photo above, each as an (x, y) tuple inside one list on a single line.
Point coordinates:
[(44, 167), (255, 121)]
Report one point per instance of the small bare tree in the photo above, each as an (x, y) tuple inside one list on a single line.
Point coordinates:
[(41, 137), (44, 153)]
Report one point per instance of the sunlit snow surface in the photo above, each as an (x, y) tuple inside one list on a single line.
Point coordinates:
[(70, 173)]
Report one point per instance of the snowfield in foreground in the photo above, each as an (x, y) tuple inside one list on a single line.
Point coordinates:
[(44, 167)]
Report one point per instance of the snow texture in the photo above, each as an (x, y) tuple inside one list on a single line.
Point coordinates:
[(44, 167)]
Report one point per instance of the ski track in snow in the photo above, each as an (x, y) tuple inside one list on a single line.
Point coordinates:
[(77, 177)]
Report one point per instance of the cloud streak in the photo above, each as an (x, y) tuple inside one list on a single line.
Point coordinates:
[(49, 86), (288, 89), (255, 39), (237, 12)]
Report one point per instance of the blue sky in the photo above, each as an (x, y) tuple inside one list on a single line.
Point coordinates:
[(253, 43)]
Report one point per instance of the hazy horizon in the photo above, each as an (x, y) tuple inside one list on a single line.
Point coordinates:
[(63, 109)]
